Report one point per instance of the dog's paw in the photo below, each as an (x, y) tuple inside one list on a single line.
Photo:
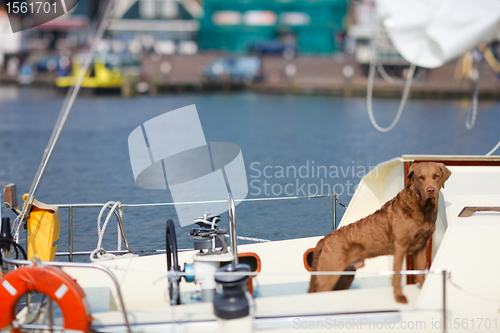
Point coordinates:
[(420, 279), (401, 299)]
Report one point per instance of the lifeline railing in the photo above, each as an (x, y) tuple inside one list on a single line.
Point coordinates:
[(71, 253)]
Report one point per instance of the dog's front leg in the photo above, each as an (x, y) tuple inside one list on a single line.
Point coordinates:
[(421, 263), (399, 254)]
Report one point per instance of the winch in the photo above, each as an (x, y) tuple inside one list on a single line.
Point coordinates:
[(208, 236), (213, 251)]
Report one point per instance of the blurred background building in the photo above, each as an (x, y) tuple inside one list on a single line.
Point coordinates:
[(186, 26), (308, 26), (300, 45)]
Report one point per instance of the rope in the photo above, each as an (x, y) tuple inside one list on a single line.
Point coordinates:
[(381, 70), (495, 66), (5, 245), (494, 149), (251, 239), (473, 113), (338, 201), (369, 90), (100, 231), (99, 251), (484, 298)]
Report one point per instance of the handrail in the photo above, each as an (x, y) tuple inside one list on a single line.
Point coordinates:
[(70, 207), (362, 273), (469, 210), (106, 270)]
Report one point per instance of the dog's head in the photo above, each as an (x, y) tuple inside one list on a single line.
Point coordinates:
[(427, 178)]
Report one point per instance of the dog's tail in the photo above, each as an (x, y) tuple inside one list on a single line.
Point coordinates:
[(316, 253)]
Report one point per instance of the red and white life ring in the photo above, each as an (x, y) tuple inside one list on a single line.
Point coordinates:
[(52, 282)]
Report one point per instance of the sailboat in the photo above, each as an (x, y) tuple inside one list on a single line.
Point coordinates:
[(220, 286)]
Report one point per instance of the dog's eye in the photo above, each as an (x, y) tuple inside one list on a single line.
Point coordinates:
[(436, 176), (421, 178)]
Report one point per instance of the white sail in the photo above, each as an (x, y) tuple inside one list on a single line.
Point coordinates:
[(430, 33)]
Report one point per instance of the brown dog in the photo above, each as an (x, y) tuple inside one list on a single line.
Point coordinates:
[(402, 226)]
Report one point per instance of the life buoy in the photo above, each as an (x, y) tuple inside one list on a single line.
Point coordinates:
[(52, 282)]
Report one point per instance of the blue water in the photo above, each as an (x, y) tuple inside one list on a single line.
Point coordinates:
[(298, 134)]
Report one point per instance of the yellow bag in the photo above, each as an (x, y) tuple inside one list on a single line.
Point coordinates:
[(44, 227)]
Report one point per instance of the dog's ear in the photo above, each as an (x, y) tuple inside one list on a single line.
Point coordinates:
[(410, 175), (445, 171)]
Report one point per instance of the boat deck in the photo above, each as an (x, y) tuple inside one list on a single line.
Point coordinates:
[(466, 247)]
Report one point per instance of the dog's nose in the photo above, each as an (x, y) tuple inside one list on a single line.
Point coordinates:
[(431, 190)]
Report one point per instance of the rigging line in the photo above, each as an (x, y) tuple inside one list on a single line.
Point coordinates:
[(484, 298), (253, 239), (369, 90), (221, 201), (99, 205), (383, 73), (469, 123), (406, 91), (63, 115), (495, 67), (494, 149)]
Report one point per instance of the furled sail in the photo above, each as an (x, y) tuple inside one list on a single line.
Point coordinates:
[(430, 33)]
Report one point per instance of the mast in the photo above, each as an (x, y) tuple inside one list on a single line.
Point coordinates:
[(99, 27)]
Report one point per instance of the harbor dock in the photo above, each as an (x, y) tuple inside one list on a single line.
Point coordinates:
[(302, 75)]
